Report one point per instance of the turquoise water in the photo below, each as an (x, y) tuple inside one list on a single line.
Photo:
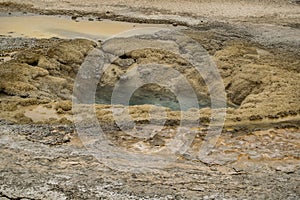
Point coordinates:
[(141, 96)]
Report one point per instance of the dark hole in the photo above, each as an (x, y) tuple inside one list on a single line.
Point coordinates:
[(124, 56), (33, 63)]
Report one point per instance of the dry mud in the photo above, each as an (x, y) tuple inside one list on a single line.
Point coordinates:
[(255, 157)]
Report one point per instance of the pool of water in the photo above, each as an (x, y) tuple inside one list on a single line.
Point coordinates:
[(40, 26), (144, 96)]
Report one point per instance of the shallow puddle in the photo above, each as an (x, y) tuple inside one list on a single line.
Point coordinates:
[(63, 27), (140, 97)]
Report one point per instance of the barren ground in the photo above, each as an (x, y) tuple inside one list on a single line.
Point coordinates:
[(255, 46)]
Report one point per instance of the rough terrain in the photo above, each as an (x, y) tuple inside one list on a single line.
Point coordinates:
[(255, 46)]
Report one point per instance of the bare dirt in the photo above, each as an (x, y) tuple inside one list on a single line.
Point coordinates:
[(255, 46)]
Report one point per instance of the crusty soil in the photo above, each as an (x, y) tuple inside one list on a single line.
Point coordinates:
[(256, 48)]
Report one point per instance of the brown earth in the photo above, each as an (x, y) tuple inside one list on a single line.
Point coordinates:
[(256, 156), (257, 79)]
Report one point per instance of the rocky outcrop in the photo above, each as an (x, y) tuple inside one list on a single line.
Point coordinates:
[(44, 75), (257, 82)]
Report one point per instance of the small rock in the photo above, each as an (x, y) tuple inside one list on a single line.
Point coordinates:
[(124, 63), (206, 197), (157, 141), (66, 138), (134, 176), (286, 169), (255, 117), (197, 188)]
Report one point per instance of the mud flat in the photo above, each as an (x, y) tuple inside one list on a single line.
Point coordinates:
[(44, 156), (35, 26)]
